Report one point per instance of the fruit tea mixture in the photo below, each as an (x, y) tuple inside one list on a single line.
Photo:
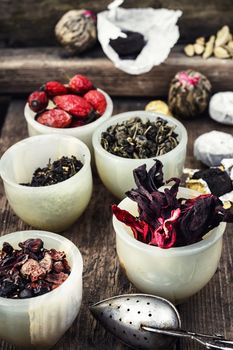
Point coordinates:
[(75, 104), (164, 220), (31, 270), (58, 171), (137, 139)]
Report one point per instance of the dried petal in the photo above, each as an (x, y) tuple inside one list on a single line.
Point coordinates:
[(165, 235), (152, 180)]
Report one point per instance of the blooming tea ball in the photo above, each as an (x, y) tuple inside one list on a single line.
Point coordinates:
[(76, 30), (189, 94)]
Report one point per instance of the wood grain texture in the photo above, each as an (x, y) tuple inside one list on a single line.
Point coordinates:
[(25, 70), (210, 310), (31, 23)]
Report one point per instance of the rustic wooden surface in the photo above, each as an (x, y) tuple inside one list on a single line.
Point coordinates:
[(31, 23), (24, 70), (210, 310)]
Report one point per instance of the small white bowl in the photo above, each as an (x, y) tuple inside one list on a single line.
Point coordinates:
[(39, 322), (53, 207), (84, 133), (116, 172), (174, 273)]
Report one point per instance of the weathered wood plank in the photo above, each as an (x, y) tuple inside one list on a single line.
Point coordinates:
[(24, 70), (209, 311), (31, 23)]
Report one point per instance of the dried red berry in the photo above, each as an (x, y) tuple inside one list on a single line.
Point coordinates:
[(97, 100), (54, 88), (38, 101), (80, 84), (56, 118), (75, 123), (73, 104)]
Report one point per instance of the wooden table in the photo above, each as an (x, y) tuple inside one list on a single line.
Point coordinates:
[(210, 310)]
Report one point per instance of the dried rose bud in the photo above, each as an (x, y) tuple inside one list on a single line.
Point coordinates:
[(38, 101), (54, 88)]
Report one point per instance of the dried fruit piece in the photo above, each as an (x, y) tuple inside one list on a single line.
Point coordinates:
[(189, 50), (220, 52), (55, 255), (38, 101), (222, 36), (76, 123), (54, 88), (209, 47), (158, 106), (230, 47), (56, 279), (198, 48), (31, 268), (32, 245), (25, 277), (46, 262), (80, 84), (76, 105), (97, 100), (200, 40), (7, 248), (230, 37), (58, 266), (55, 118)]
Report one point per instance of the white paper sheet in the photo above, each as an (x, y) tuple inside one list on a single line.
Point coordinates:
[(157, 25)]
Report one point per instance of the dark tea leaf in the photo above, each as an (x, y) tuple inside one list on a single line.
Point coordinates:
[(58, 171)]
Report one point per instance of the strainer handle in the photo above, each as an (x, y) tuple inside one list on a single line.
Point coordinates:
[(209, 341)]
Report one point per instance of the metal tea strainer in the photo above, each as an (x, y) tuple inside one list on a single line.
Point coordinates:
[(149, 322)]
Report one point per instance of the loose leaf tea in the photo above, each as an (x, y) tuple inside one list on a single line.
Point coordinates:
[(164, 220), (137, 139), (58, 171), (31, 270)]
